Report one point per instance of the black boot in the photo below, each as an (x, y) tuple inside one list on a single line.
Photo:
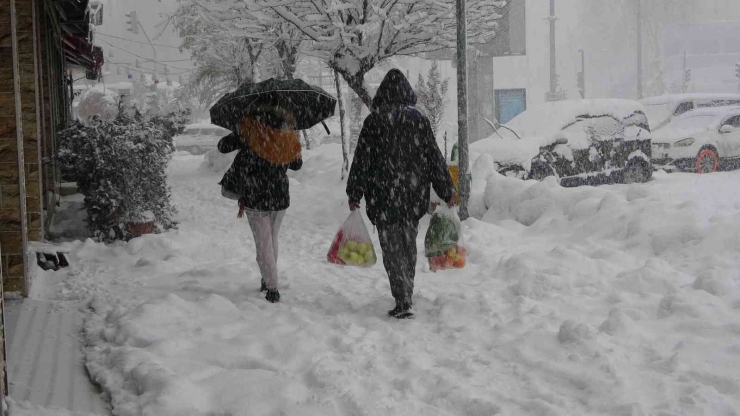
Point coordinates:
[(273, 296), (401, 311), (263, 287)]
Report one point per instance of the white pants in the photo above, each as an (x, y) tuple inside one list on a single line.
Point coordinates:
[(265, 227)]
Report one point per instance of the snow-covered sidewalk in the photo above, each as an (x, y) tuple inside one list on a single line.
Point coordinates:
[(618, 300), (46, 367)]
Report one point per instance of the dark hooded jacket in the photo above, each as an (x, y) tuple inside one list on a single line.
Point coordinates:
[(262, 186), (397, 157)]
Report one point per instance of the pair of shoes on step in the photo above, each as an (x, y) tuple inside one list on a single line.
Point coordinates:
[(401, 311), (273, 296)]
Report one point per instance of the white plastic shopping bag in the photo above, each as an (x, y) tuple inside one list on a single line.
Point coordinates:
[(352, 245), (444, 244)]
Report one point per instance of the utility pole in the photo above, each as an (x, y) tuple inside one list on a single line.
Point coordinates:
[(553, 62), (462, 108), (639, 50)]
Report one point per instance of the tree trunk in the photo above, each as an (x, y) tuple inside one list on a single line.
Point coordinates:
[(340, 100), (255, 72), (355, 122), (356, 82)]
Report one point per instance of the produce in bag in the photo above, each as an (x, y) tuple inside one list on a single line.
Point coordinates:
[(352, 245), (444, 245)]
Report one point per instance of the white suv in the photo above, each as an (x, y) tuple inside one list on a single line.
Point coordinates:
[(701, 141)]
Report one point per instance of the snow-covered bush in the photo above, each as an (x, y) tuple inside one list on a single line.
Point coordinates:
[(119, 167), (97, 103)]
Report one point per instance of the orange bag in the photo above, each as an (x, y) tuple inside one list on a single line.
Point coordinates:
[(278, 146)]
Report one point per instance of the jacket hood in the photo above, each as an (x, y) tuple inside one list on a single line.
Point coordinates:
[(394, 90)]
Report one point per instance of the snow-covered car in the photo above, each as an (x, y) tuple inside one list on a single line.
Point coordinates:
[(701, 141), (661, 110), (585, 142), (200, 138)]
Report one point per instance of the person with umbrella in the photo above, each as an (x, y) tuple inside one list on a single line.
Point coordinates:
[(264, 119), (396, 160)]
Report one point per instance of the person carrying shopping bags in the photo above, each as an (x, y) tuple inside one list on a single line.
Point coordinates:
[(396, 160)]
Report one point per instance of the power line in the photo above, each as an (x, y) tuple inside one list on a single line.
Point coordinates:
[(152, 60), (149, 70), (147, 59), (136, 41)]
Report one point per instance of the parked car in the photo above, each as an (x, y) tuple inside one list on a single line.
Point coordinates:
[(661, 110), (701, 141), (586, 142), (200, 138)]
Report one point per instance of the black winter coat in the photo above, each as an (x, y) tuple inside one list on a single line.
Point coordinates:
[(263, 186), (397, 158)]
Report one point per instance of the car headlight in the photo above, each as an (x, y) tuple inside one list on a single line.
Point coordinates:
[(685, 142)]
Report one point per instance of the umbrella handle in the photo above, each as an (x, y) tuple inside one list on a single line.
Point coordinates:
[(327, 128)]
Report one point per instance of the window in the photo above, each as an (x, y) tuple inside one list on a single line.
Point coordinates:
[(717, 103), (509, 104), (683, 108), (733, 121)]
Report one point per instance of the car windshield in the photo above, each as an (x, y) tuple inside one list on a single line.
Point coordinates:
[(657, 114), (691, 122), (717, 103)]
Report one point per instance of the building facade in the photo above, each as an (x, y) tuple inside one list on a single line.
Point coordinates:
[(44, 44)]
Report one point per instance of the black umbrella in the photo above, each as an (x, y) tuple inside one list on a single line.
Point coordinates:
[(310, 104)]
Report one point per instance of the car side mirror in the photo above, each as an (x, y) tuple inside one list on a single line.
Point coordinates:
[(726, 129)]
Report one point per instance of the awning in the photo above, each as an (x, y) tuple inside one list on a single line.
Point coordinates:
[(77, 37)]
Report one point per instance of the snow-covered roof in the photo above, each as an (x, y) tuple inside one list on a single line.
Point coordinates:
[(674, 98), (549, 118)]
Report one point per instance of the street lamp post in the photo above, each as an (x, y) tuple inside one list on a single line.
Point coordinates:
[(462, 109)]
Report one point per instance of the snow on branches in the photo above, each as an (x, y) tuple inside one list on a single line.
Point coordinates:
[(232, 40), (353, 36)]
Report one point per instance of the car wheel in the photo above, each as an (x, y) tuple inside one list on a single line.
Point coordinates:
[(707, 161), (636, 172)]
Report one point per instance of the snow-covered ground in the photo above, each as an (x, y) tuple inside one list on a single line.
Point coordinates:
[(619, 300)]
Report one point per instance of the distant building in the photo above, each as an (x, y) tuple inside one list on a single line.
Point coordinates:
[(702, 57)]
